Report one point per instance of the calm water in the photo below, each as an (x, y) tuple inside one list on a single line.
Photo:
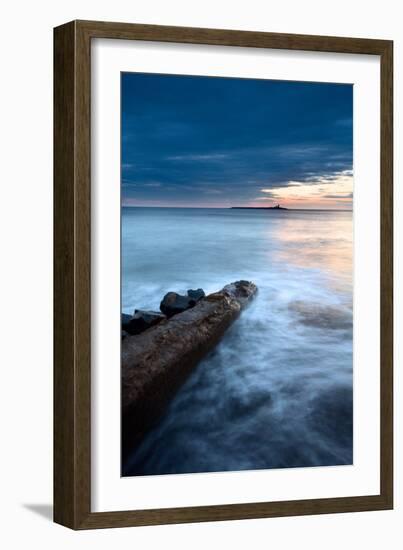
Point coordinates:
[(277, 390)]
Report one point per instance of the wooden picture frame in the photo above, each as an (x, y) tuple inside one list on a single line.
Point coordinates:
[(72, 270)]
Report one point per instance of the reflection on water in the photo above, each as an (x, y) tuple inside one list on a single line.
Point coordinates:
[(277, 390), (316, 243)]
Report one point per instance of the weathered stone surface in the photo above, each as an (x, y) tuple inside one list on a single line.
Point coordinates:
[(241, 291), (124, 334), (156, 362)]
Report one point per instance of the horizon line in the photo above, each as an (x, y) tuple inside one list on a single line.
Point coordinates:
[(238, 207)]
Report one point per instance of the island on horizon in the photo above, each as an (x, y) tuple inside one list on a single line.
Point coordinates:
[(277, 207)]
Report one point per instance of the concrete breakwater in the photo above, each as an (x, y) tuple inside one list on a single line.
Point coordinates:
[(157, 361)]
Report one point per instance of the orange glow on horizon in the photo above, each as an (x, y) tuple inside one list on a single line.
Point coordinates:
[(327, 193), (334, 192)]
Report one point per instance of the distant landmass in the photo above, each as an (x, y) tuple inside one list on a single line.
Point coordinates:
[(278, 207)]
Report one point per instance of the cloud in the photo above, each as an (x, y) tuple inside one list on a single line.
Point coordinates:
[(201, 157), (339, 196), (213, 191), (237, 136), (318, 189)]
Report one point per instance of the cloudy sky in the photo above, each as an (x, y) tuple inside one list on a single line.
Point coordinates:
[(218, 142)]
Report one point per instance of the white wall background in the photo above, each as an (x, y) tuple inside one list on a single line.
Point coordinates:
[(26, 271)]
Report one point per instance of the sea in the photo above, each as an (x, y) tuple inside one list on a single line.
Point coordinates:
[(277, 391)]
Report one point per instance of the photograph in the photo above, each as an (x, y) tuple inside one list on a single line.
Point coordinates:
[(223, 274), (236, 274)]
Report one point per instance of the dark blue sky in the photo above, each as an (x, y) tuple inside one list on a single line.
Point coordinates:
[(200, 141)]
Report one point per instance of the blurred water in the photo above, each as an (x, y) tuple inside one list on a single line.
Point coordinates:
[(277, 390)]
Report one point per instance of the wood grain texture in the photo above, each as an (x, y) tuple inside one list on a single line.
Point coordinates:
[(219, 37), (72, 217), (72, 268), (64, 382), (386, 282)]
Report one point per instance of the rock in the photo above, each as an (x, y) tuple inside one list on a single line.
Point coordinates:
[(126, 321), (322, 316), (156, 362), (143, 320), (173, 303), (240, 290), (196, 295), (124, 334)]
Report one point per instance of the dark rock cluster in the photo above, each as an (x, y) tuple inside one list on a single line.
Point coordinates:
[(171, 304), (140, 321)]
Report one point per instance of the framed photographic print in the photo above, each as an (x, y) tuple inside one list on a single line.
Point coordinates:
[(223, 275)]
